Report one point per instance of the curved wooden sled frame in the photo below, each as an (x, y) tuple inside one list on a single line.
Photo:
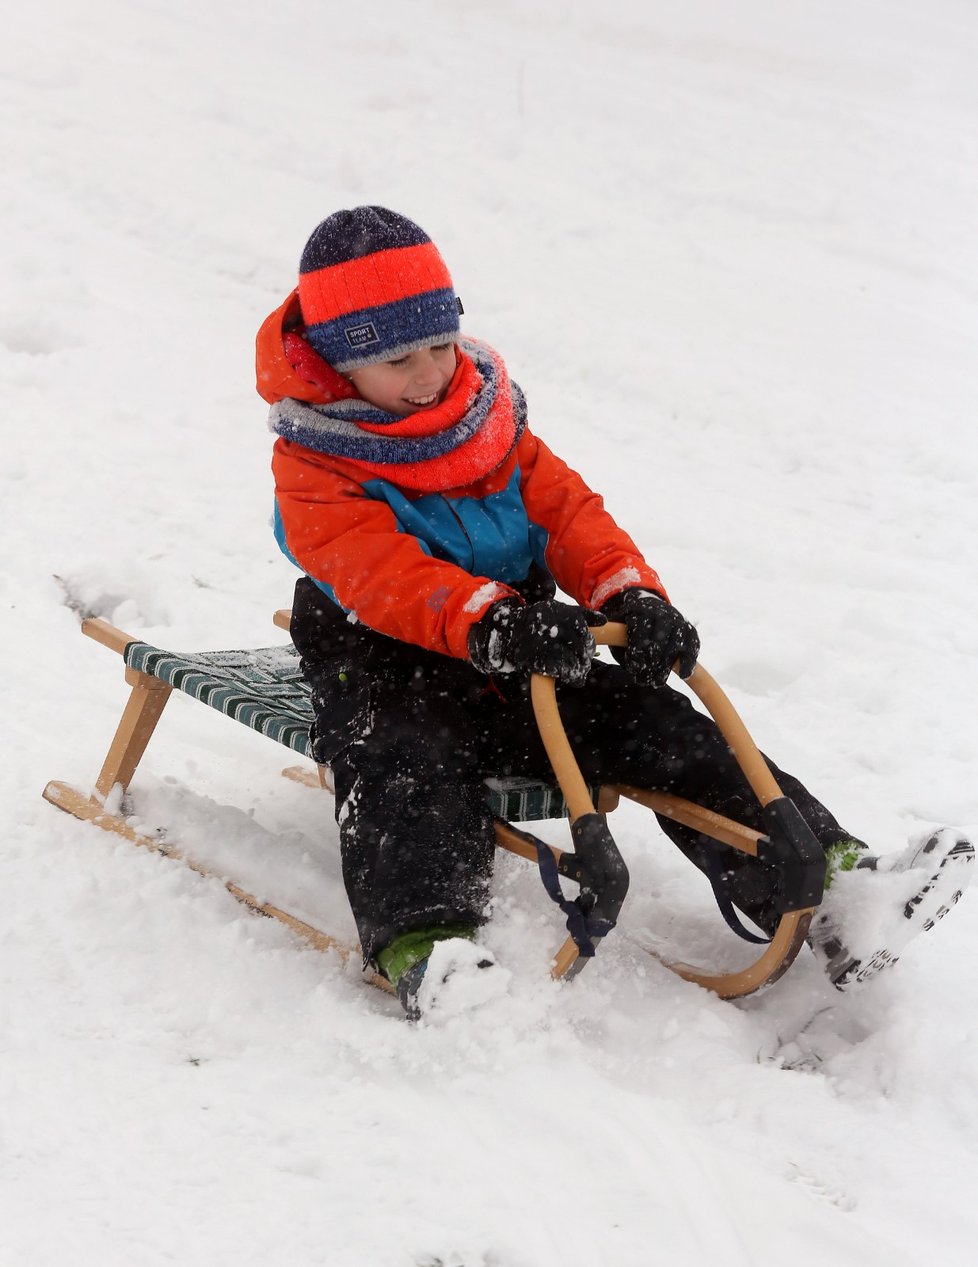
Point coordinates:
[(149, 696), (792, 929)]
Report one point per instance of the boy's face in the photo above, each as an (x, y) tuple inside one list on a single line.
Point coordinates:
[(412, 382)]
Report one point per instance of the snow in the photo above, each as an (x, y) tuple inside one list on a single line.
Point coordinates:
[(621, 579), (483, 596), (729, 254)]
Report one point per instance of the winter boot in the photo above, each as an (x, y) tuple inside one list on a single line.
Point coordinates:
[(873, 906)]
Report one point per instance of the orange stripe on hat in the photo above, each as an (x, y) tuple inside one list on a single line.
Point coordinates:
[(382, 277)]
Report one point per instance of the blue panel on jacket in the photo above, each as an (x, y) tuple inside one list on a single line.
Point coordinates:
[(487, 536)]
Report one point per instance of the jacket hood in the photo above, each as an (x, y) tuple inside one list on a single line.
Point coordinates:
[(287, 367)]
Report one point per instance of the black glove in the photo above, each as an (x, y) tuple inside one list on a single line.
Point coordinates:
[(548, 637), (658, 636)]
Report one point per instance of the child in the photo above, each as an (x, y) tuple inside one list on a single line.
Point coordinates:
[(433, 528)]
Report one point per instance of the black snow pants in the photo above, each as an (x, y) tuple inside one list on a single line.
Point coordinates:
[(410, 735)]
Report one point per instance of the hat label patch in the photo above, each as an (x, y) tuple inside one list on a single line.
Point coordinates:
[(361, 336)]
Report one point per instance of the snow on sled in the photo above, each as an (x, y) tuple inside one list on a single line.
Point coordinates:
[(264, 689)]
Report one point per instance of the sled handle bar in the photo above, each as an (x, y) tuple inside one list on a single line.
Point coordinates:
[(572, 784)]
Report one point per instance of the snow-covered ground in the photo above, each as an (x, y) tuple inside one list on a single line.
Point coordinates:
[(729, 252)]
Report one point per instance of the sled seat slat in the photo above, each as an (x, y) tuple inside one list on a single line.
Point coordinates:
[(264, 690)]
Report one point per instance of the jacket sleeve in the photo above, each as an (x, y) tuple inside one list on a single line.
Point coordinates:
[(591, 558), (383, 576)]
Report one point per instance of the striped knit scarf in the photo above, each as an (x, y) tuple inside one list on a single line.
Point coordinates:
[(469, 434)]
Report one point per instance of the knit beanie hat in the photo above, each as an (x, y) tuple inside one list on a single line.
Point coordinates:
[(372, 287)]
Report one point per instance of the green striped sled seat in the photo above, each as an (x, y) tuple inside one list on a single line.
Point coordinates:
[(265, 691)]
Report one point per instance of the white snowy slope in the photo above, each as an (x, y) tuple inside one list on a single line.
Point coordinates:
[(729, 252)]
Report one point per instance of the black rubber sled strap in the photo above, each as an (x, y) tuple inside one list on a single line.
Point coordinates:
[(581, 928), (713, 869)]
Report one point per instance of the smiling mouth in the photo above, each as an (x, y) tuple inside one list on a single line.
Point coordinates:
[(422, 401)]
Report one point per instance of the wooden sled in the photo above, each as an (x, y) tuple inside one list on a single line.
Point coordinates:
[(264, 689)]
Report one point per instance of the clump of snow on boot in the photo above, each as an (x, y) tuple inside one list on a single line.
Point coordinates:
[(460, 976)]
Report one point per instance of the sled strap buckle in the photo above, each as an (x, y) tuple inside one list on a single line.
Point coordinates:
[(599, 869)]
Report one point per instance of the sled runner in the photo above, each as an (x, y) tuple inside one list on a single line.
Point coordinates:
[(265, 690)]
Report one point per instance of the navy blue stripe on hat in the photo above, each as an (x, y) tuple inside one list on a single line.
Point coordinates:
[(387, 331)]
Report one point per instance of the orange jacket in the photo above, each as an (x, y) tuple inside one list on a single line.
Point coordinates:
[(423, 567)]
